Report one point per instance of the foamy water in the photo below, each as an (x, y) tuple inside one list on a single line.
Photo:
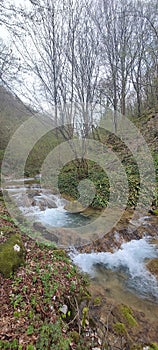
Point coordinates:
[(130, 259)]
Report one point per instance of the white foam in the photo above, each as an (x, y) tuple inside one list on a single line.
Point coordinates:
[(130, 258)]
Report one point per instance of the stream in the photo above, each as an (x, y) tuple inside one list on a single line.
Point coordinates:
[(122, 274)]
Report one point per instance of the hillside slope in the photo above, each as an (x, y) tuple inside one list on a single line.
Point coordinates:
[(12, 114)]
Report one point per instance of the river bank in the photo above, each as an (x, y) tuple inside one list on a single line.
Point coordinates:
[(36, 293), (41, 302)]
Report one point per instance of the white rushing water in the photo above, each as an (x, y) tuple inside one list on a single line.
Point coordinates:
[(56, 216), (130, 259)]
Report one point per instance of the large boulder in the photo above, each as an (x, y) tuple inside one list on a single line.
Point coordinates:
[(44, 203), (12, 255)]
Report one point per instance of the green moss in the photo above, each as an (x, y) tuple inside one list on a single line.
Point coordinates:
[(10, 258), (128, 315), (153, 346), (120, 328), (75, 336), (97, 301), (155, 212)]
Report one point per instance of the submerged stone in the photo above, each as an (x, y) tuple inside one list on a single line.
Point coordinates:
[(74, 207), (11, 255)]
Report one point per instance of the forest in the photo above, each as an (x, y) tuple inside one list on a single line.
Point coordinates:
[(79, 174)]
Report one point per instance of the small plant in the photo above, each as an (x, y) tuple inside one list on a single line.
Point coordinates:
[(97, 301), (72, 286), (30, 347), (34, 278), (9, 345), (51, 337), (120, 328), (33, 301), (16, 300), (128, 315), (24, 288), (17, 281), (30, 330), (19, 313), (31, 314), (7, 218), (84, 316)]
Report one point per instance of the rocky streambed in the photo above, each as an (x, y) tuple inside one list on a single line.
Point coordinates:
[(119, 263)]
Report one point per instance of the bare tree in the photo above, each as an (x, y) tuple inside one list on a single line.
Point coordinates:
[(58, 47), (74, 54)]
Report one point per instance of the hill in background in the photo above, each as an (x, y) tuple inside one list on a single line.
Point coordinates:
[(12, 114)]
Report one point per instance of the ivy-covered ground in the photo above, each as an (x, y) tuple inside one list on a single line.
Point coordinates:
[(41, 302), (73, 172)]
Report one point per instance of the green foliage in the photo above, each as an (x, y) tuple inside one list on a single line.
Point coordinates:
[(16, 300), (51, 337), (10, 259), (6, 229), (84, 316), (30, 330), (128, 315), (97, 301), (153, 346), (120, 328), (9, 345), (69, 180), (7, 218)]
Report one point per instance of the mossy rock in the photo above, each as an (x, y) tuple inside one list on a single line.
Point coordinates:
[(74, 207), (152, 266), (11, 255)]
